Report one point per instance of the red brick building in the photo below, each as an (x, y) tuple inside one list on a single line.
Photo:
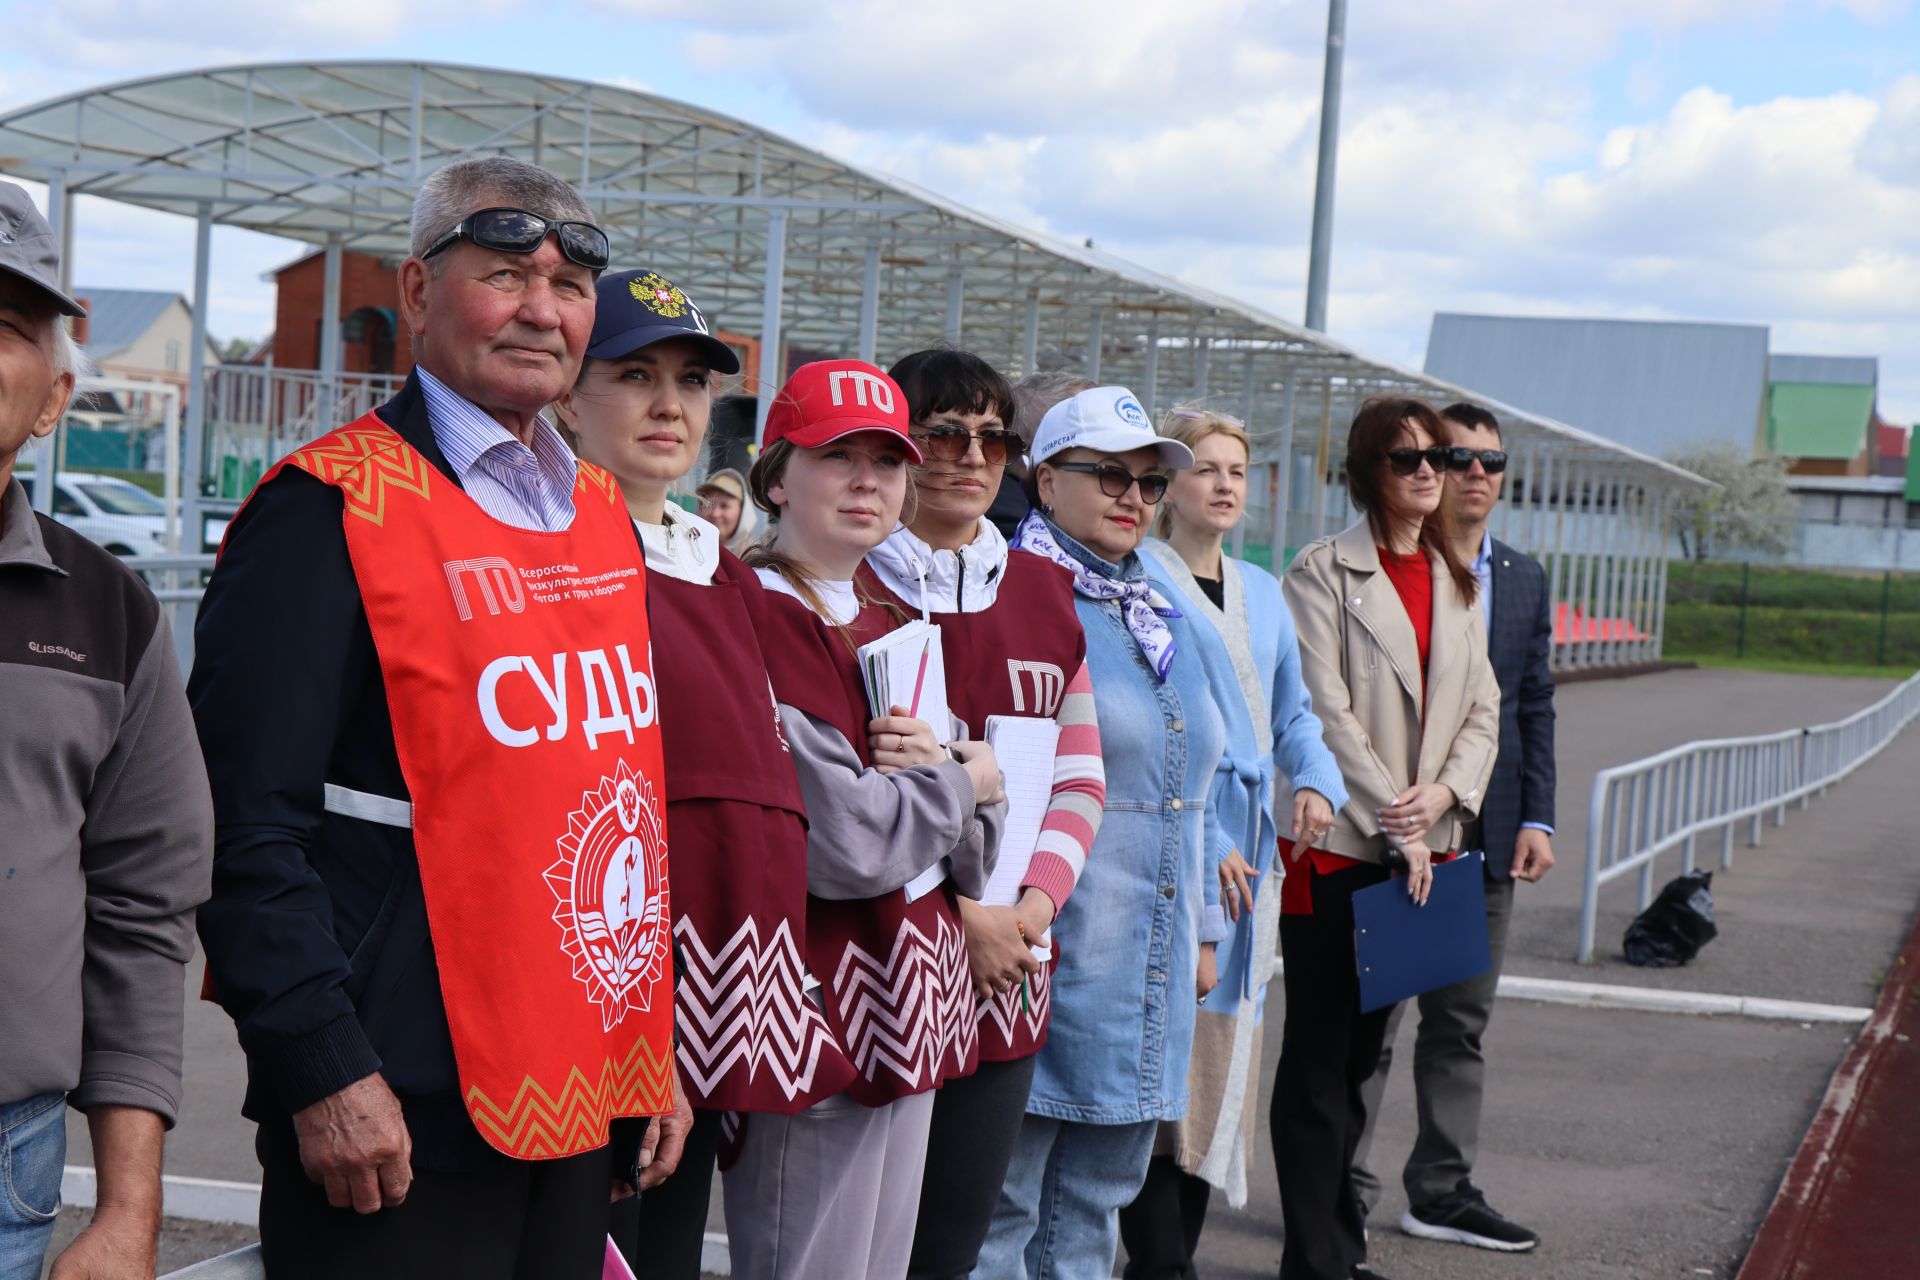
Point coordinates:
[(371, 341)]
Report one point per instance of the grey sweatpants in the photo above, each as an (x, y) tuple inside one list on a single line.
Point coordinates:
[(833, 1191)]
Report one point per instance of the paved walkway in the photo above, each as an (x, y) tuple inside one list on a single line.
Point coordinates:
[(1640, 1145)]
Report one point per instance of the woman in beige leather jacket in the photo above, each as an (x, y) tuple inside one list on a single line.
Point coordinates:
[(1394, 653)]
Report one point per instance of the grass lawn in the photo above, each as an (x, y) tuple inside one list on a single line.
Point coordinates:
[(1792, 666)]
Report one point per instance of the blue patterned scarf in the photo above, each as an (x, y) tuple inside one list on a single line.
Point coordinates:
[(1145, 609)]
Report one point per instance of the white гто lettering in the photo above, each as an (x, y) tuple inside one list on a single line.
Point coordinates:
[(613, 704), (867, 388)]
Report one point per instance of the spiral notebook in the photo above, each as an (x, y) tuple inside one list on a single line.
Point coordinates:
[(1025, 747)]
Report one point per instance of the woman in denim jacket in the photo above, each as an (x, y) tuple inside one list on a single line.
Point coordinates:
[(1138, 933)]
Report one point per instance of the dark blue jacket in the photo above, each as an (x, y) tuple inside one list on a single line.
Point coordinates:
[(316, 934), (1520, 645)]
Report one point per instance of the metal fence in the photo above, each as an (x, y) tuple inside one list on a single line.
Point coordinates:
[(1647, 808)]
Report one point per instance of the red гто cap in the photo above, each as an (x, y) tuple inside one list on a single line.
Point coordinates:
[(829, 399)]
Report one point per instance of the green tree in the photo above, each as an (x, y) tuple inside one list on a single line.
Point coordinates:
[(1752, 510), (236, 348)]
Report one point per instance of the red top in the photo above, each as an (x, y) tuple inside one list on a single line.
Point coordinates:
[(1412, 578)]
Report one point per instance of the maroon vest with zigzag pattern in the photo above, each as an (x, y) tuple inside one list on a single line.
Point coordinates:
[(893, 973), (1012, 659), (747, 1037)]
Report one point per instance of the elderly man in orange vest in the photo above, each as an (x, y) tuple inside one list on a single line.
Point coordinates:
[(423, 685)]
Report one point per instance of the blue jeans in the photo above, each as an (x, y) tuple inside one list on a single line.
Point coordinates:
[(33, 1147), (1059, 1211)]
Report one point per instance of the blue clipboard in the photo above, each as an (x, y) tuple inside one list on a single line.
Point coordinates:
[(1403, 951)]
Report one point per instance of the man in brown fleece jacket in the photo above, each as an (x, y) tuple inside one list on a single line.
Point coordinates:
[(106, 828)]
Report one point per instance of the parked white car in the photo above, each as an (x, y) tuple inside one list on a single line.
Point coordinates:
[(119, 515)]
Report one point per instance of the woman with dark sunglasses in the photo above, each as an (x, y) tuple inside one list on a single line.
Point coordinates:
[(1013, 647), (1395, 656), (1137, 935), (1274, 747)]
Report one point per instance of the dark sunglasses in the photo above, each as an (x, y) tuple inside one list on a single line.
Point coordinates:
[(517, 231), (950, 444), (1407, 461), (1114, 481), (1492, 461)]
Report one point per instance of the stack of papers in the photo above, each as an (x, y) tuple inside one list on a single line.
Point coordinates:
[(907, 668)]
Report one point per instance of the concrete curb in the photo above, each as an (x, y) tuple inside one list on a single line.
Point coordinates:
[(1600, 995)]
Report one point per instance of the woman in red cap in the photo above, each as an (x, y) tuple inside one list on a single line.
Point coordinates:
[(897, 825), (746, 1037)]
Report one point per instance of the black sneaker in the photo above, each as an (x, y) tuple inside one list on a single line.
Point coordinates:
[(1364, 1272), (1464, 1217)]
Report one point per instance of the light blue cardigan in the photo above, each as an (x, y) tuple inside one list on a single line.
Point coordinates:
[(1282, 737)]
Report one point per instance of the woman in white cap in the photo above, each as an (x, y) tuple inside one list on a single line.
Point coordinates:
[(747, 1039), (1013, 648), (1247, 644), (897, 826), (1138, 932)]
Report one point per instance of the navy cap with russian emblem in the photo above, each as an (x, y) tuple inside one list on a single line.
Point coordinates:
[(639, 308), (28, 249)]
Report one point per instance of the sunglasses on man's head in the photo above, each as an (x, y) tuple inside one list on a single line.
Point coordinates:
[(1115, 480), (950, 443), (1492, 461), (517, 231), (1406, 461)]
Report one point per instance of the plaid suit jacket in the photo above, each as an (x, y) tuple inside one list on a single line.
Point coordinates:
[(1519, 644)]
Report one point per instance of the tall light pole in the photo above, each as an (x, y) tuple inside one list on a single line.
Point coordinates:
[(1317, 265)]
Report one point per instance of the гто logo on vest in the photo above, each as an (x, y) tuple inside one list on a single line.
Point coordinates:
[(610, 880), (1049, 686)]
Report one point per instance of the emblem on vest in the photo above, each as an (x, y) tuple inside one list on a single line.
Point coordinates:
[(611, 881), (1046, 683), (496, 581)]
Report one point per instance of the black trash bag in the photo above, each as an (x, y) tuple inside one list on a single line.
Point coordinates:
[(1680, 921)]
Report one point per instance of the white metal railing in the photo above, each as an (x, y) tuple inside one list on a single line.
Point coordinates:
[(1644, 809), (257, 414)]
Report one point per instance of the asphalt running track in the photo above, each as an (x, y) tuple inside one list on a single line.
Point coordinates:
[(1640, 1144), (1850, 1202)]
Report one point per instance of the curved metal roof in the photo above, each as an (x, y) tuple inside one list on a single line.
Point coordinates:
[(314, 151)]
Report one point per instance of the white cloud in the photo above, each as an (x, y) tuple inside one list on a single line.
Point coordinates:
[(138, 36)]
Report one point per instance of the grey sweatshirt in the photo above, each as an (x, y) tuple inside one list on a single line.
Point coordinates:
[(106, 827), (869, 833)]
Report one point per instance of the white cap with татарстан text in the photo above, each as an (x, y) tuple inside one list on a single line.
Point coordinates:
[(1110, 419)]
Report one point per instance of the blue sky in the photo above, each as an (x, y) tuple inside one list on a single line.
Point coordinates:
[(1750, 160)]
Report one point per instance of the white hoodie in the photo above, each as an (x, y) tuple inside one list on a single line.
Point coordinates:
[(963, 581), (681, 546)]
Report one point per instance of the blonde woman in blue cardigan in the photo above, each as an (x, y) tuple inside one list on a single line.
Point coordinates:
[(1252, 660)]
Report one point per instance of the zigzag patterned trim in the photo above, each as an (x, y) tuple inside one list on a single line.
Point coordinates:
[(911, 1012), (364, 463), (1002, 1018), (744, 1008), (597, 480), (537, 1125)]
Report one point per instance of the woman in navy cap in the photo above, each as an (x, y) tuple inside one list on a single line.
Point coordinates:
[(747, 1038)]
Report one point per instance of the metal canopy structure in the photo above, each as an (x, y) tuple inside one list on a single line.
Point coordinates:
[(776, 240)]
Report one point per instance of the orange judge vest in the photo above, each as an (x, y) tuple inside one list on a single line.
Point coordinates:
[(518, 672)]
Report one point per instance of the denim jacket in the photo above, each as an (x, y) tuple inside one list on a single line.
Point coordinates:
[(1129, 937)]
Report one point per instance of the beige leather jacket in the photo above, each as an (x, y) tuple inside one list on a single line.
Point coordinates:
[(1362, 665)]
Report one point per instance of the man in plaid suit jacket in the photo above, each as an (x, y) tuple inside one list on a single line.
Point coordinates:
[(1515, 830)]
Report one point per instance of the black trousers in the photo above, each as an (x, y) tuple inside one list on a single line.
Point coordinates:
[(976, 1121), (525, 1220), (661, 1232), (1328, 1049), (1161, 1228)]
